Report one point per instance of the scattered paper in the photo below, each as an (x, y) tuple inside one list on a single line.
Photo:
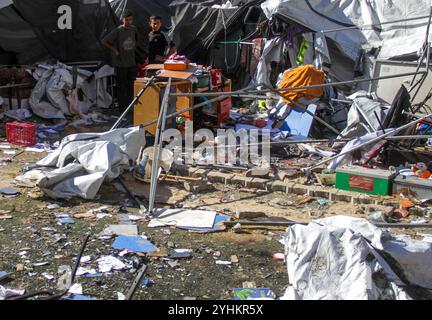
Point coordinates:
[(108, 263), (103, 215), (120, 230), (121, 296), (134, 244), (227, 263), (85, 259), (76, 289), (135, 217), (84, 271), (48, 276), (64, 219), (36, 150), (183, 218)]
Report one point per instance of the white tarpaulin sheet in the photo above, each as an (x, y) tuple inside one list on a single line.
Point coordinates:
[(339, 258), (85, 160), (395, 39), (53, 96), (362, 117)]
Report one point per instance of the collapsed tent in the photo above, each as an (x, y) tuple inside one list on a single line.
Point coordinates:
[(322, 15), (217, 38), (57, 91), (344, 258), (345, 37), (84, 161), (30, 30), (17, 36)]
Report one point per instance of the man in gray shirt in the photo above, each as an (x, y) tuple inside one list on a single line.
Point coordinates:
[(122, 41)]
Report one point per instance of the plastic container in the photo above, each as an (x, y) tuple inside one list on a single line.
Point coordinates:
[(364, 180), (175, 65), (22, 134), (216, 75)]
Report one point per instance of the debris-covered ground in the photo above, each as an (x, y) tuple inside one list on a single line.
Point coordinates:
[(32, 236), (34, 244)]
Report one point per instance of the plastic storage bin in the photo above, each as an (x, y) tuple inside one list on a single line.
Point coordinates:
[(22, 134)]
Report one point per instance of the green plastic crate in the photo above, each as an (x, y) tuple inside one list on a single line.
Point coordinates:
[(364, 180)]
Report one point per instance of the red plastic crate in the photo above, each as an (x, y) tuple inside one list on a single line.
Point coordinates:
[(22, 134)]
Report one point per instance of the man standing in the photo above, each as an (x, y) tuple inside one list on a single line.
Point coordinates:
[(160, 46), (122, 41)]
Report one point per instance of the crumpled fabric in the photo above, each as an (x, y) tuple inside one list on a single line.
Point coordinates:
[(7, 293), (347, 158), (84, 161), (342, 257), (306, 75), (363, 107), (326, 261), (54, 95)]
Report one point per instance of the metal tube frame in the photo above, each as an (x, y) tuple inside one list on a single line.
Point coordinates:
[(158, 147)]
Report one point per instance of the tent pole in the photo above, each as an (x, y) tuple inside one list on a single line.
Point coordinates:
[(158, 146), (365, 27), (426, 51), (133, 103), (331, 84)]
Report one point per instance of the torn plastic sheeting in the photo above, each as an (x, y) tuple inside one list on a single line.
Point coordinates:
[(96, 157), (358, 225), (361, 117), (316, 150), (49, 98), (415, 258), (133, 244), (7, 293), (346, 159), (333, 14), (183, 218), (327, 262)]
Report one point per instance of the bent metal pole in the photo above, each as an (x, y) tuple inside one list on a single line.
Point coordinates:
[(133, 103), (158, 147), (308, 170), (330, 84)]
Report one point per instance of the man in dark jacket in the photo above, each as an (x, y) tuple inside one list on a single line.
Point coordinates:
[(122, 41)]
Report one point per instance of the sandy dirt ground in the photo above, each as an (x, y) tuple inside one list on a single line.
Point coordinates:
[(33, 244)]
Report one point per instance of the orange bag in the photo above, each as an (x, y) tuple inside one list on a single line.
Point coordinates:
[(302, 76)]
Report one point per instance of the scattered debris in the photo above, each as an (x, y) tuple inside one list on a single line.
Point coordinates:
[(234, 259), (7, 293), (108, 263), (183, 218), (119, 230), (133, 244), (253, 294), (76, 289)]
